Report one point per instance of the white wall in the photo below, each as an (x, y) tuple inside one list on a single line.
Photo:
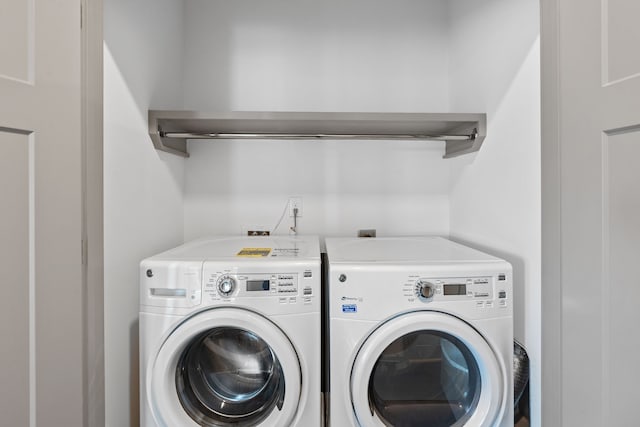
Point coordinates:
[(142, 187), (331, 55), (345, 186), (495, 194), (362, 55)]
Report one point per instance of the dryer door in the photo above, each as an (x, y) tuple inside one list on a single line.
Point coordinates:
[(225, 367), (427, 368)]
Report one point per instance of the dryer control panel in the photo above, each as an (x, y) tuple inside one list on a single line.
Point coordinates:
[(448, 289)]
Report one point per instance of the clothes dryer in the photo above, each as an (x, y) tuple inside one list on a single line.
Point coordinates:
[(230, 333), (421, 334)]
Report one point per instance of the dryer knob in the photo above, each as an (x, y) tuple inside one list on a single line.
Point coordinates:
[(427, 289), (226, 285)]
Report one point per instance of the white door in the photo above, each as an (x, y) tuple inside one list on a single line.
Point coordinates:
[(44, 372), (591, 217)]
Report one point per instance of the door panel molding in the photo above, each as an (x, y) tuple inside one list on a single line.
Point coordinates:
[(17, 318), (620, 253), (619, 105), (15, 131), (17, 41), (618, 64)]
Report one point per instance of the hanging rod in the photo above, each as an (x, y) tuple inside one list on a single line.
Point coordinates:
[(170, 130), (188, 135)]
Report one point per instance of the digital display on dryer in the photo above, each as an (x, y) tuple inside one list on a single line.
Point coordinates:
[(257, 285), (455, 289)]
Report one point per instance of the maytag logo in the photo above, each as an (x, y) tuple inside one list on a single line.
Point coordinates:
[(351, 299)]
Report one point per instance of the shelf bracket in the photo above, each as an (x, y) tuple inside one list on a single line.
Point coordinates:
[(177, 146), (455, 148)]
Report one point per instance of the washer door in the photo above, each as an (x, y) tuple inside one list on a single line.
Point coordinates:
[(225, 367), (427, 368)]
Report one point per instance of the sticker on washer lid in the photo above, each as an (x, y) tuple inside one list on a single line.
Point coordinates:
[(349, 308), (286, 252), (254, 252)]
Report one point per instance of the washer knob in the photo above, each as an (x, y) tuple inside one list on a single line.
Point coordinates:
[(226, 285), (426, 289)]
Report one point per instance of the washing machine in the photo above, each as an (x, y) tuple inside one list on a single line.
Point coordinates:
[(420, 334), (230, 333)]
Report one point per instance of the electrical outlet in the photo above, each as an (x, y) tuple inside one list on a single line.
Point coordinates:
[(255, 230), (369, 232), (295, 202)]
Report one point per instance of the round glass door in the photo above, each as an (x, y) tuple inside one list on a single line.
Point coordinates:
[(225, 367), (425, 375), (427, 368), (227, 376)]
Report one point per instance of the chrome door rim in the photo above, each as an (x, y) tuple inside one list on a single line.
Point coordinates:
[(493, 398)]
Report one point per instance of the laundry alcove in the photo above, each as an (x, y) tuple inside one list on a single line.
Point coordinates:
[(356, 57)]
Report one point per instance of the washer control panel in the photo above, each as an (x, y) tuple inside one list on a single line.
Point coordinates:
[(227, 284)]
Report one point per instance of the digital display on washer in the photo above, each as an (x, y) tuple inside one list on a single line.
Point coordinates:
[(257, 285), (455, 289)]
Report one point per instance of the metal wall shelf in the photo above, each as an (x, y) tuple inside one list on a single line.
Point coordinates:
[(462, 133)]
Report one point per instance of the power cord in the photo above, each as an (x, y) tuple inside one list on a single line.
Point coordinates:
[(284, 211), (294, 229)]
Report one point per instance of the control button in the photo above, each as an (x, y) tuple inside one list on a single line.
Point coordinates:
[(307, 300), (502, 303), (307, 291), (488, 304), (283, 300), (226, 285), (502, 294), (480, 304), (502, 277), (426, 289), (292, 300)]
